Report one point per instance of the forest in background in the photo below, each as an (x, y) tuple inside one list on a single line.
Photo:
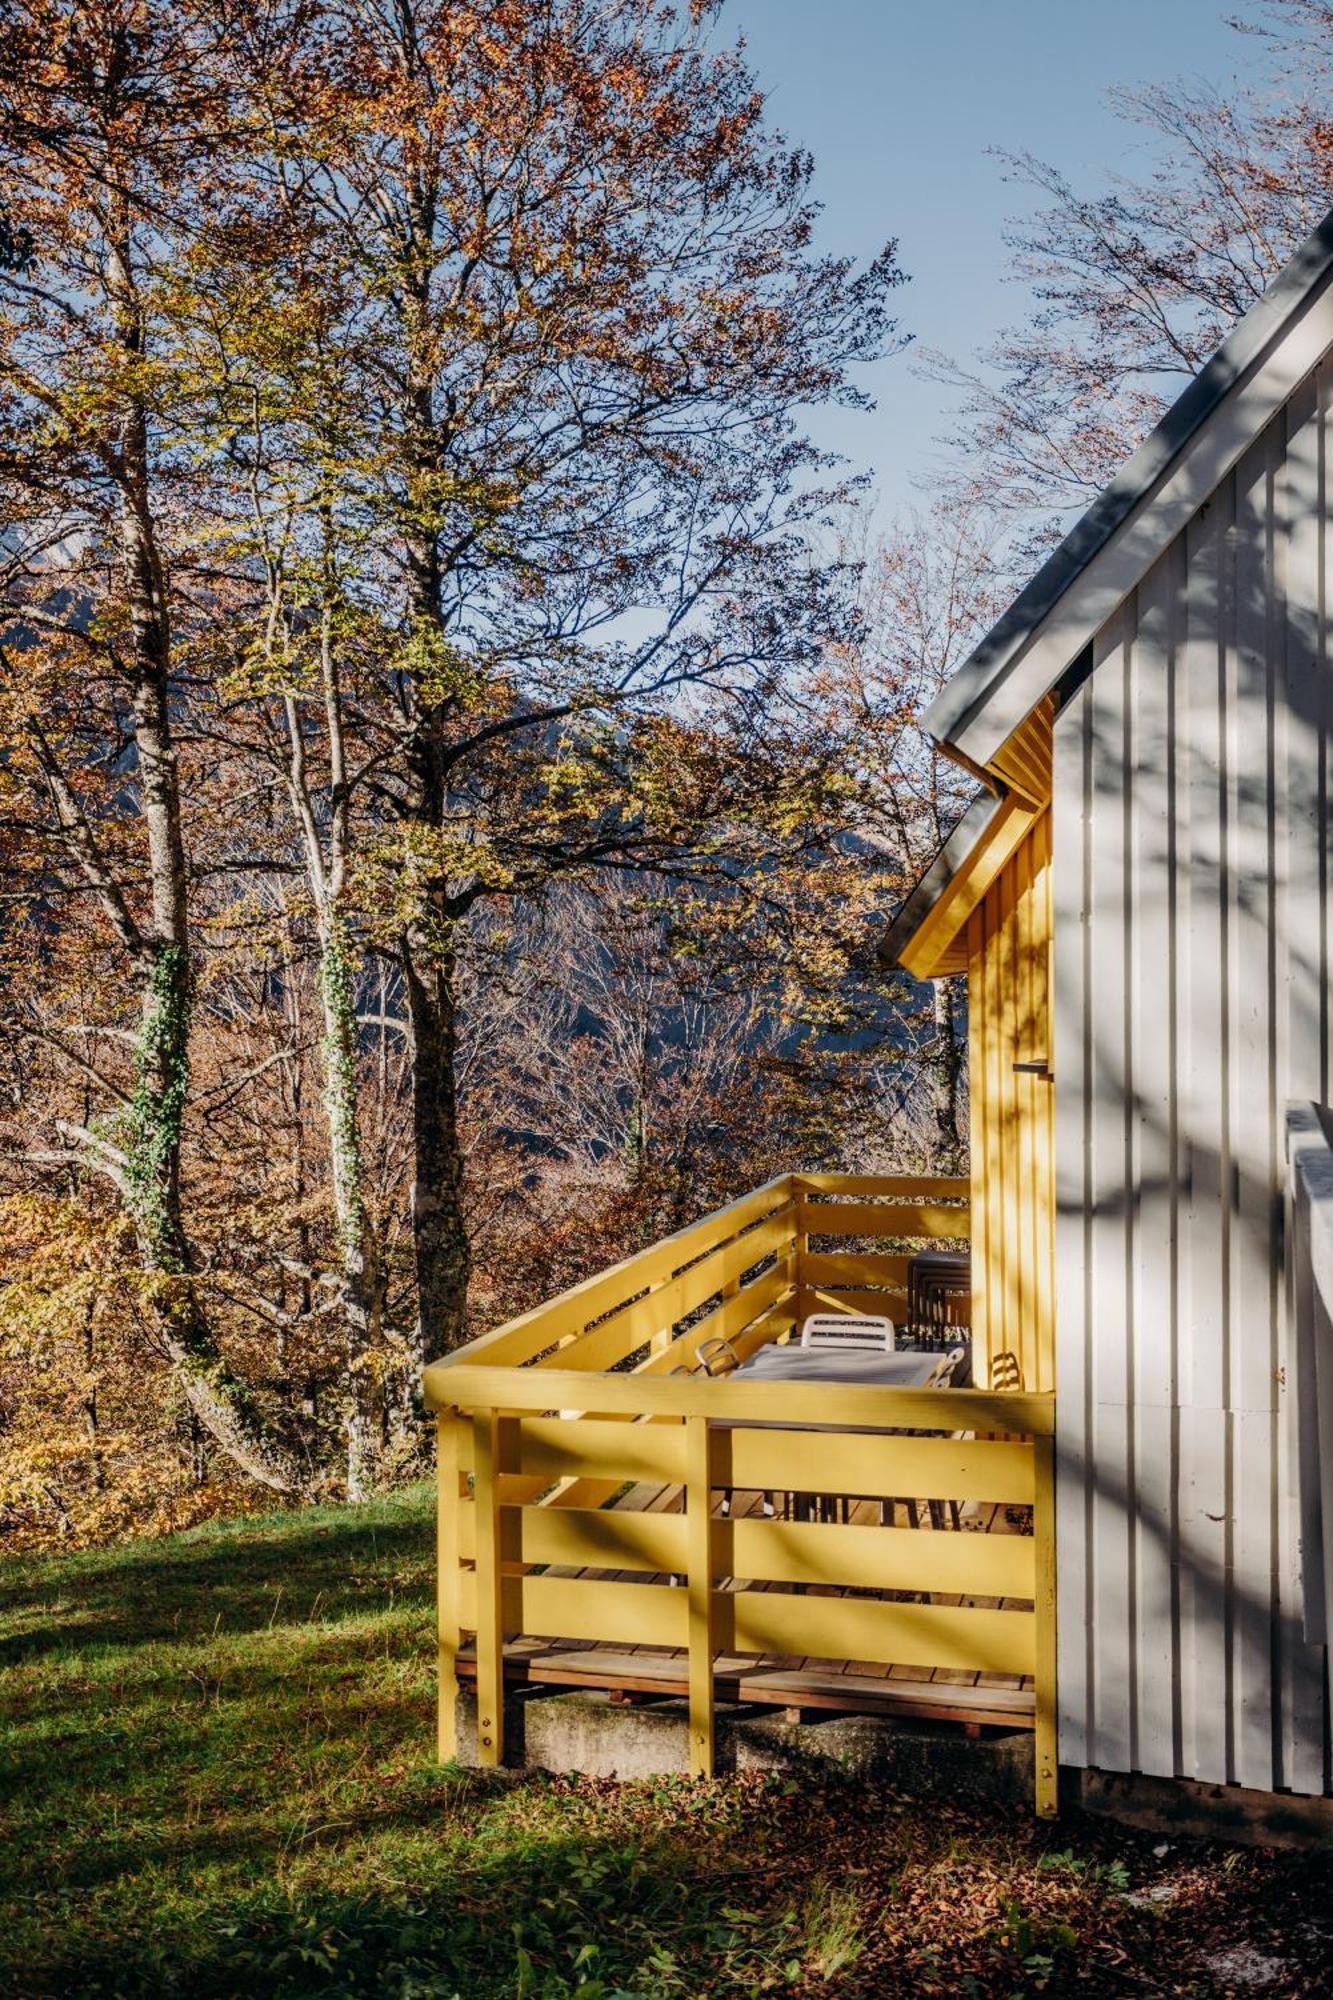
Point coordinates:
[(457, 748)]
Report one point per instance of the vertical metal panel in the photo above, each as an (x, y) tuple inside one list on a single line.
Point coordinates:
[(1075, 1072), (1111, 1301), (1151, 1237), (1205, 1056), (1304, 726), (1191, 1002), (1255, 690)]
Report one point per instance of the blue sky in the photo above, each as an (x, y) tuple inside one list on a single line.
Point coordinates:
[(900, 100)]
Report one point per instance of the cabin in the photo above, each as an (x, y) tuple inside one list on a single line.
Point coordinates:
[(1109, 1523)]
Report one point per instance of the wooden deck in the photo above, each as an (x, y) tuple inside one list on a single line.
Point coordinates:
[(584, 1445), (792, 1681)]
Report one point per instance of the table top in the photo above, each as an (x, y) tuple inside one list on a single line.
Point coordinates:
[(908, 1368)]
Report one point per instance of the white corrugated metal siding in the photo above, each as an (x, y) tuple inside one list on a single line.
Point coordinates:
[(1191, 995)]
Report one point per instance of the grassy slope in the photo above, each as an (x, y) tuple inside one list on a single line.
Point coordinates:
[(215, 1778)]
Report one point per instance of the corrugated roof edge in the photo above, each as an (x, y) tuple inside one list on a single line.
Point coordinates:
[(922, 900), (965, 695)]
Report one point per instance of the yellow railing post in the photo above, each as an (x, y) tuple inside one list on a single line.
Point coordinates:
[(490, 1596), (699, 1577), (448, 1426), (1046, 1747), (800, 1248)]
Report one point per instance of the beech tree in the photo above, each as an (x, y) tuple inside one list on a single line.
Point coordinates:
[(408, 511), (569, 271), (109, 113)]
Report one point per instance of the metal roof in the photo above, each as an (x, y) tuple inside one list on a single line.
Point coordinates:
[(966, 695)]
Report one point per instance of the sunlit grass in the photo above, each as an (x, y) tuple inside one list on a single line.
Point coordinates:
[(834, 1929), (217, 1781)]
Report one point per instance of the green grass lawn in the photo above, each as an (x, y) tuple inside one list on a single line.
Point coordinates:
[(216, 1779)]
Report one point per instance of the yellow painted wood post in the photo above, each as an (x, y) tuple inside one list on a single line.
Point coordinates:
[(447, 1596), (699, 1577), (1047, 1746), (800, 1245), (490, 1607), (663, 1335)]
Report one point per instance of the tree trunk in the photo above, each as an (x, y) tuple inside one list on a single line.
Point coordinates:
[(443, 1253), (96, 1472), (221, 1402), (358, 1252), (218, 1398), (356, 1242), (946, 1073)]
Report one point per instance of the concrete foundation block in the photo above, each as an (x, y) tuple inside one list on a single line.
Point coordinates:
[(585, 1731)]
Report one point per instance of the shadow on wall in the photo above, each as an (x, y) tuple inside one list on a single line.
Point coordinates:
[(1192, 1000)]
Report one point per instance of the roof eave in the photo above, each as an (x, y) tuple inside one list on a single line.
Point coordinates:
[(925, 931)]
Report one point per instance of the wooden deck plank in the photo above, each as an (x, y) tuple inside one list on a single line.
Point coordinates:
[(812, 1684)]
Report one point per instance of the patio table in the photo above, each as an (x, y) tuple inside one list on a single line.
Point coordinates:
[(908, 1368)]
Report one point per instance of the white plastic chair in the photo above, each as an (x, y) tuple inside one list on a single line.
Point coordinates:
[(863, 1330), (942, 1374)]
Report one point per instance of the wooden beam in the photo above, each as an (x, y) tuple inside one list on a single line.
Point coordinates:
[(807, 1687), (831, 1405), (939, 933)]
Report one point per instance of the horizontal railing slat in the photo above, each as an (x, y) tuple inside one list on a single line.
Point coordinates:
[(602, 1538), (808, 1461), (874, 1558), (875, 1218), (564, 1448), (902, 1187), (868, 1267), (559, 1607), (776, 1551), (518, 1340), (841, 1298), (773, 1551), (955, 1637), (729, 1399), (618, 1335)]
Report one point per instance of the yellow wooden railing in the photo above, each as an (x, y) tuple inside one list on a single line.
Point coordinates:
[(549, 1418)]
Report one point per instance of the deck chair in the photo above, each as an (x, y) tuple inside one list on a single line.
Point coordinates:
[(711, 1357), (942, 1374), (863, 1330)]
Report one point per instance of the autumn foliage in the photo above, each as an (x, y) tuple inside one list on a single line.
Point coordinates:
[(431, 679)]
